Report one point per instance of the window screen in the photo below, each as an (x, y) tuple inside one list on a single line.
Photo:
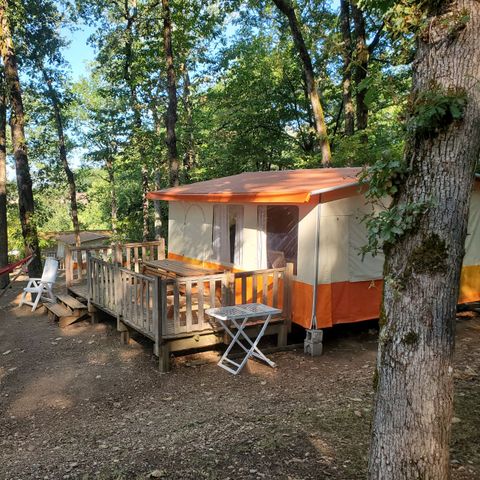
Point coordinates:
[(282, 235)]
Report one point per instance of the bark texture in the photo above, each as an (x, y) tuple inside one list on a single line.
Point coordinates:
[(348, 109), (171, 117), (189, 158), (414, 378), (17, 125), (62, 150), (361, 66), (4, 279), (286, 7)]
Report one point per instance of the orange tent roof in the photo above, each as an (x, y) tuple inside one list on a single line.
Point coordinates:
[(284, 186)]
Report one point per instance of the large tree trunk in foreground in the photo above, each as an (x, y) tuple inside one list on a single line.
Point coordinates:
[(361, 68), (17, 125), (4, 279), (349, 111), (288, 10), (171, 118), (62, 150), (413, 404)]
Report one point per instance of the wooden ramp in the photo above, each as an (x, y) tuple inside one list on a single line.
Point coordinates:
[(66, 311)]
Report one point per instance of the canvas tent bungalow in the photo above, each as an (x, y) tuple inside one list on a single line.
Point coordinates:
[(311, 218)]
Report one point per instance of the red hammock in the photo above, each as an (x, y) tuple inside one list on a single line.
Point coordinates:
[(10, 268)]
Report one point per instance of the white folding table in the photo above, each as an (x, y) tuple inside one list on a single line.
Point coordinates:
[(238, 316)]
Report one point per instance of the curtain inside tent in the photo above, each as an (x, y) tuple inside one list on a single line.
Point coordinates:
[(227, 234), (277, 227)]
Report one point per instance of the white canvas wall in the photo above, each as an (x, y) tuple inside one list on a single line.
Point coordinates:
[(190, 232), (190, 229)]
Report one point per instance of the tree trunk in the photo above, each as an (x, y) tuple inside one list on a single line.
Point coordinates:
[(137, 116), (320, 126), (414, 379), (190, 157), (4, 279), (348, 109), (171, 118), (17, 125), (361, 68), (62, 150), (113, 196)]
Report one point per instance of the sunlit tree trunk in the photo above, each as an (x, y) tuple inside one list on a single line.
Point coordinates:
[(171, 117), (17, 125), (348, 109), (4, 279), (62, 149), (190, 156), (414, 379), (286, 7)]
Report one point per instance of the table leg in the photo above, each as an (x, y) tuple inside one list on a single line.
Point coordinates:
[(252, 351)]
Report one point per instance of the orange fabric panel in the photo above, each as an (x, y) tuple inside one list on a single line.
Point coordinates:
[(356, 301), (340, 302), (302, 296), (470, 284)]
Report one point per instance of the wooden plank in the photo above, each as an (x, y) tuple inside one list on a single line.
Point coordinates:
[(71, 302), (275, 290), (135, 256), (129, 263), (200, 294), (188, 302), (244, 290), (254, 288), (212, 286), (265, 288), (176, 308), (58, 310)]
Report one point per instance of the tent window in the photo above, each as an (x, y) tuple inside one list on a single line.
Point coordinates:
[(227, 234), (282, 235)]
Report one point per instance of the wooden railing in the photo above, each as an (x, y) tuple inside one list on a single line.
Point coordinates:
[(184, 301), (168, 308), (134, 253), (101, 281), (270, 287), (138, 301), (129, 255)]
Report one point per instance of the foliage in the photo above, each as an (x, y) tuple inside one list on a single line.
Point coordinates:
[(433, 110), (241, 98)]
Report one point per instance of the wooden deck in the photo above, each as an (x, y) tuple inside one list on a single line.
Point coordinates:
[(171, 311)]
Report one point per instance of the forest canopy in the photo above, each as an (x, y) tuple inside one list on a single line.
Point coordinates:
[(225, 92)]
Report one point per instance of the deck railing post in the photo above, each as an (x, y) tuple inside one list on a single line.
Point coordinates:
[(287, 295), (119, 254), (68, 266), (230, 283), (156, 317), (89, 277)]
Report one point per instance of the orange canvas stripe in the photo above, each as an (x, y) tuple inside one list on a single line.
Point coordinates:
[(470, 284)]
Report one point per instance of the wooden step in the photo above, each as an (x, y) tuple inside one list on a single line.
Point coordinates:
[(57, 310), (62, 314), (71, 302)]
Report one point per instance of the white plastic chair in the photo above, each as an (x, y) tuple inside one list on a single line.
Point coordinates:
[(42, 286)]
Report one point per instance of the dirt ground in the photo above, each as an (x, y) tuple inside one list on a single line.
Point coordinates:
[(75, 403)]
